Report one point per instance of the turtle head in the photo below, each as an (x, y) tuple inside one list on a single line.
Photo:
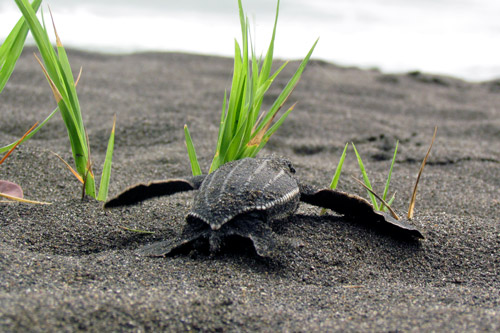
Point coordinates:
[(288, 166), (282, 163)]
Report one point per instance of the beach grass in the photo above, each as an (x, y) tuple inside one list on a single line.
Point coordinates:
[(336, 175), (338, 170), (384, 205), (244, 128), (57, 70)]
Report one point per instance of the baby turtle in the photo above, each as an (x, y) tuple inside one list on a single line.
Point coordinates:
[(241, 198)]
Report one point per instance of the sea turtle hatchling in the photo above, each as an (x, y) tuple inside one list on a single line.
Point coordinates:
[(241, 198)]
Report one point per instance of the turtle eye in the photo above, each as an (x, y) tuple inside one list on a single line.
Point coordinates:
[(290, 166)]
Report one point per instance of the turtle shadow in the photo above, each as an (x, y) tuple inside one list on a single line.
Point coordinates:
[(356, 228), (294, 236), (332, 249), (235, 250), (82, 235), (73, 228)]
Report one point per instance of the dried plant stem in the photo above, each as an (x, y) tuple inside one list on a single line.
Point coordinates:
[(414, 195), (18, 142), (10, 197), (393, 213)]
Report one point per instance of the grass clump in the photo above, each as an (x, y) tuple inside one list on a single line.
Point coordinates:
[(245, 129), (386, 205), (57, 70)]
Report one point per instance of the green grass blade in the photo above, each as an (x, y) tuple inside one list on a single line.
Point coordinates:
[(270, 79), (222, 123), (16, 33), (268, 60), (232, 124), (386, 189), (68, 82), (391, 200), (68, 85), (383, 203), (235, 145), (365, 178), (234, 100), (106, 170), (255, 71), (238, 73), (261, 91), (58, 73), (336, 175), (261, 81), (270, 132), (6, 148), (50, 59), (338, 171), (288, 88), (244, 129), (78, 147), (41, 38), (89, 180), (195, 166), (11, 48), (243, 21), (216, 160)]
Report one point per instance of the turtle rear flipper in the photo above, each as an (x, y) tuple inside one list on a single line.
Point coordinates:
[(256, 230), (263, 244), (174, 246), (193, 236), (170, 247), (141, 192), (354, 206)]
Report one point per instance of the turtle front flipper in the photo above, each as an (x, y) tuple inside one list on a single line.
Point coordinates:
[(354, 206), (141, 192)]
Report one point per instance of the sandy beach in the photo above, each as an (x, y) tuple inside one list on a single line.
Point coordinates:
[(71, 266)]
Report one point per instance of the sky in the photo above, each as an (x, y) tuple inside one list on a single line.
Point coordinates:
[(459, 38)]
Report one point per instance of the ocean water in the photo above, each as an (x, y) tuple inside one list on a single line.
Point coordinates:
[(460, 38)]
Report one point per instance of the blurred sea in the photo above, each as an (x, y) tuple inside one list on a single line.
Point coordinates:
[(460, 38)]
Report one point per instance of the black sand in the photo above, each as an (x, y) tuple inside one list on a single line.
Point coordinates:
[(70, 267)]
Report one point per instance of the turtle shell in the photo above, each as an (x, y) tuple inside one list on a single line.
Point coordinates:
[(265, 185)]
